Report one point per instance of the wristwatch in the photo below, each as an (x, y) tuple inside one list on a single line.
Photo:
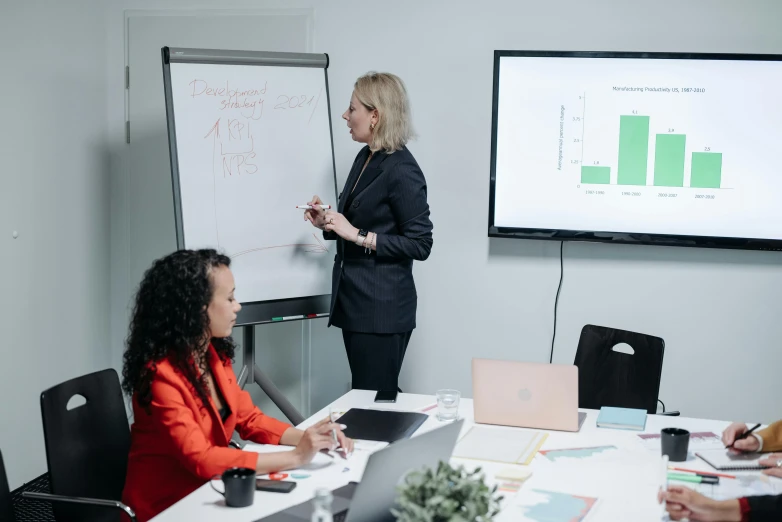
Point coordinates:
[(362, 236)]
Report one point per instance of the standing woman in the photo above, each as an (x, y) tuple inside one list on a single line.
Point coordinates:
[(381, 225)]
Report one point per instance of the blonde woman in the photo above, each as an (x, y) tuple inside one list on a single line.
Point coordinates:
[(381, 226)]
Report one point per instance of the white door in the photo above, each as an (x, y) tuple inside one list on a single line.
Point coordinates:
[(283, 352)]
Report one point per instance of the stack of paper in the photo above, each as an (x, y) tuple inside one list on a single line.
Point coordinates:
[(498, 444), (590, 455), (539, 505), (742, 486)]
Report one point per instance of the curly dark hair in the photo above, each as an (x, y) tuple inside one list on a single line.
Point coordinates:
[(169, 321)]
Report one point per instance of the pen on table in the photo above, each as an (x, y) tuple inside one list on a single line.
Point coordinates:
[(698, 479), (309, 207), (743, 436), (704, 473)]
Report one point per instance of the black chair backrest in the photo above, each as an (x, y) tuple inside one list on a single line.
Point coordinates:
[(87, 446), (6, 503), (609, 378)]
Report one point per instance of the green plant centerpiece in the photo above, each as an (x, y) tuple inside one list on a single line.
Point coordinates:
[(446, 494)]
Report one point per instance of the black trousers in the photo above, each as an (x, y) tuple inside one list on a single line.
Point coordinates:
[(375, 359)]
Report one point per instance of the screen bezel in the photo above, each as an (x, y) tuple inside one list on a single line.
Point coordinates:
[(603, 236)]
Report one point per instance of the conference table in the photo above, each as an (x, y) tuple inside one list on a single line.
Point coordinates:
[(624, 479)]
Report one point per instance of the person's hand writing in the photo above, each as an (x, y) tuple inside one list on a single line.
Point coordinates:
[(316, 438), (733, 431), (336, 222), (315, 215), (774, 461)]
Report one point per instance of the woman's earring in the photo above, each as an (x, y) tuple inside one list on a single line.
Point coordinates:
[(371, 126)]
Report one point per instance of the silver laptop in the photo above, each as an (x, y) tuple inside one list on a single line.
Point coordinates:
[(371, 499)]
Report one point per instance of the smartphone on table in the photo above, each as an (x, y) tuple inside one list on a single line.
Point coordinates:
[(386, 396), (274, 486)]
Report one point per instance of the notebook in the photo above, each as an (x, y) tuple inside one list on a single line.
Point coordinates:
[(621, 418), (381, 425), (723, 459)]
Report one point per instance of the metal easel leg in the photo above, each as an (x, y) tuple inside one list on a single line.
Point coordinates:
[(252, 374)]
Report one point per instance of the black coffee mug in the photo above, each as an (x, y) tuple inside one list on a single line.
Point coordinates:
[(675, 442), (239, 484)]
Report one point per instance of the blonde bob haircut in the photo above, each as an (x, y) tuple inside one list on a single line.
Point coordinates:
[(386, 92)]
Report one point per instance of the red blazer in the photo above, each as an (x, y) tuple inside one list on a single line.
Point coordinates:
[(181, 444)]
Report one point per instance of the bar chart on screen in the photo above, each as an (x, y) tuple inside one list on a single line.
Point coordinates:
[(644, 151)]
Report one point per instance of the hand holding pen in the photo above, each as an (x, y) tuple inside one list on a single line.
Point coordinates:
[(737, 437), (315, 212), (343, 443)]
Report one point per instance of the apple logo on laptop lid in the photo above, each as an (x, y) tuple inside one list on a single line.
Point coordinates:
[(524, 394)]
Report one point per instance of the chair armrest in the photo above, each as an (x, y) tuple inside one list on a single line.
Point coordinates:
[(668, 413), (81, 500)]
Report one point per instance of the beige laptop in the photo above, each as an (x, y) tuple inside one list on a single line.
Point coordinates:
[(527, 395)]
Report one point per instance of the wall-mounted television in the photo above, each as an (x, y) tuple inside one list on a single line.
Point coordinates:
[(651, 148)]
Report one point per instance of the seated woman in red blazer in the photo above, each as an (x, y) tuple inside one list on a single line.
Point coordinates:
[(186, 401)]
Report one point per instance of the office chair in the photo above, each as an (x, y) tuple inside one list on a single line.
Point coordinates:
[(86, 448), (607, 377), (6, 502), (16, 506)]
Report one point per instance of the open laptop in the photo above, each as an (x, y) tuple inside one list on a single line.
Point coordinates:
[(526, 395), (371, 499)]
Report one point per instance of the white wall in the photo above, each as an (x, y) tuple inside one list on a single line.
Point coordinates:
[(494, 298), (54, 310)]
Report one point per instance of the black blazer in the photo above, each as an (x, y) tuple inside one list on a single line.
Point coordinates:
[(765, 508), (375, 293)]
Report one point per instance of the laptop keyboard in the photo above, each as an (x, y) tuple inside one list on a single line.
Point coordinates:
[(341, 516)]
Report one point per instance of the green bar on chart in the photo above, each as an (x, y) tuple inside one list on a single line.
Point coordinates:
[(669, 160), (706, 170), (595, 175), (633, 150)]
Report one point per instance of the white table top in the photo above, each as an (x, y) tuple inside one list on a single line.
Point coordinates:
[(626, 488)]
